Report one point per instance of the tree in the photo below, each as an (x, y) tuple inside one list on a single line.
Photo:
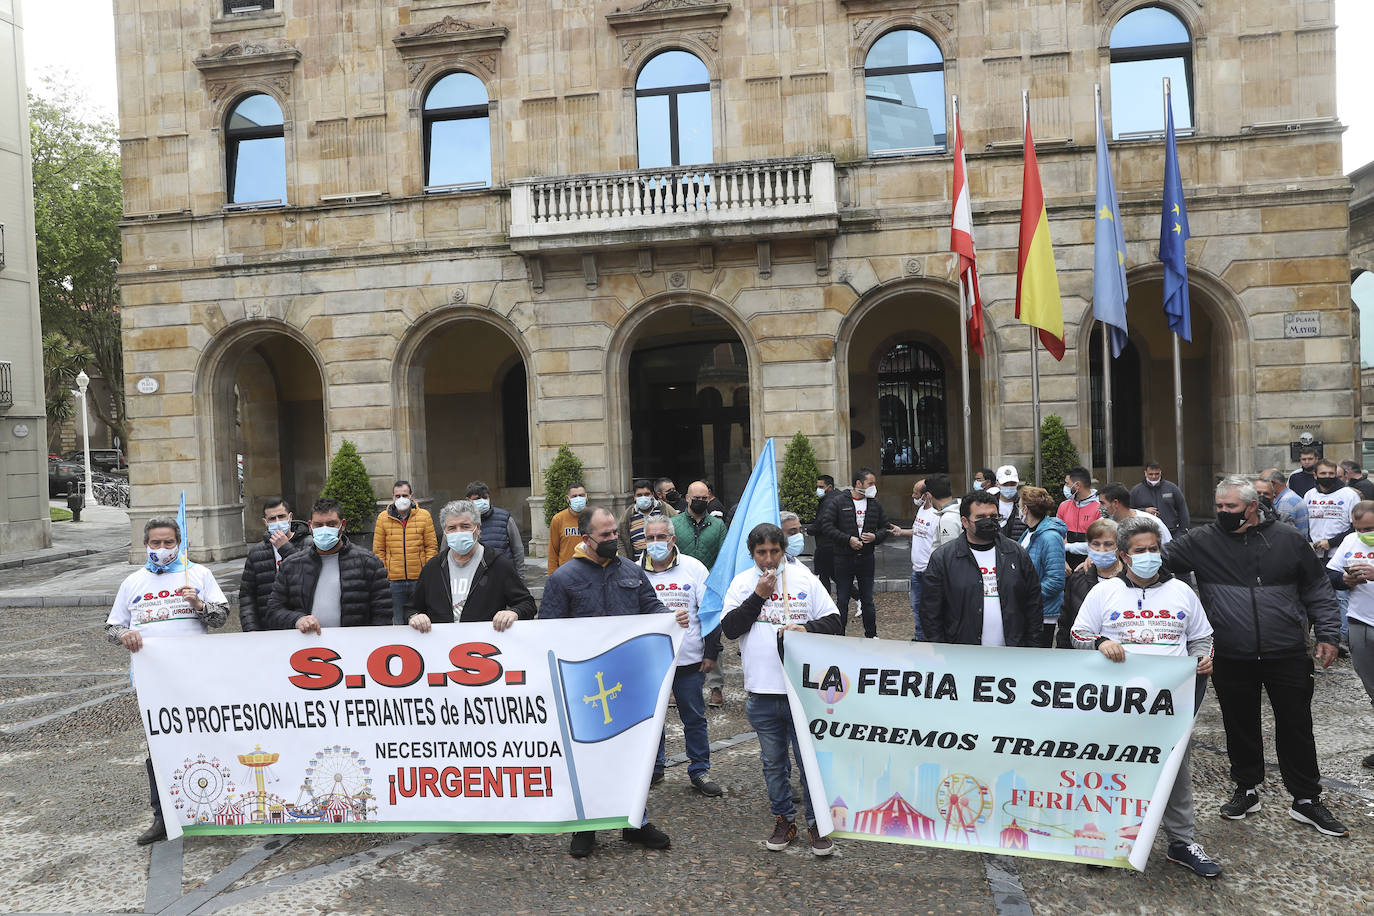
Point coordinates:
[(1057, 454), (77, 206), (797, 489), (349, 484), (62, 363), (565, 471)]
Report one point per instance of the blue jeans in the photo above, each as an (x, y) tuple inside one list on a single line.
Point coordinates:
[(691, 709), (401, 590), (917, 585), (1343, 599), (771, 719)]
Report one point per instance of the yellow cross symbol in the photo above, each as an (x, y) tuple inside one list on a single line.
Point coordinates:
[(1106, 213), (603, 697)]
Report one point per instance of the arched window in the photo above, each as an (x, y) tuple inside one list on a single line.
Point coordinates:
[(912, 414), (255, 147), (1147, 45), (904, 93), (673, 111), (1128, 434), (457, 127)]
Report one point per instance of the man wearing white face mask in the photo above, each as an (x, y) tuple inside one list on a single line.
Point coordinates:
[(264, 557), (404, 541), (332, 583), (499, 531), (466, 582), (922, 533), (630, 527), (563, 536), (855, 524)]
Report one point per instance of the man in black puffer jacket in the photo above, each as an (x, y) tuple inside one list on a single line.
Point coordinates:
[(332, 584), (487, 585), (260, 569), (1262, 587)]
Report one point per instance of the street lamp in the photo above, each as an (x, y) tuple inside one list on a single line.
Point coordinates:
[(82, 380)]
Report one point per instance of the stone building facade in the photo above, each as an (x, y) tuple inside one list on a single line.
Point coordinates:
[(24, 522), (461, 233)]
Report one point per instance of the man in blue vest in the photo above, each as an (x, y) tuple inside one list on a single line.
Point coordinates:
[(499, 531)]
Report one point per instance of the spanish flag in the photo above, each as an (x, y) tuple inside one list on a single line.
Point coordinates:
[(1037, 285)]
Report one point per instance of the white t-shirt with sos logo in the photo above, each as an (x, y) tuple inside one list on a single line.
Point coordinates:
[(923, 538), (149, 602), (1353, 550), (994, 633), (1159, 620), (797, 598), (680, 587)]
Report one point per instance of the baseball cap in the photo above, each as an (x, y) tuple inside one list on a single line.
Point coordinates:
[(1007, 474)]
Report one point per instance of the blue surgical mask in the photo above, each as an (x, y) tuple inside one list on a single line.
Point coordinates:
[(325, 537), (642, 503), (577, 503), (1102, 559), (1008, 492), (278, 527), (658, 550), (483, 505), (1146, 565), (1068, 494), (820, 492), (795, 542), (460, 542)]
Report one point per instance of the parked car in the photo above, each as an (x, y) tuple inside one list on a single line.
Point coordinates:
[(102, 459), (64, 477)]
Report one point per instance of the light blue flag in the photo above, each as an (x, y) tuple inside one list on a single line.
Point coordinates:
[(1109, 251), (183, 553), (1173, 232), (759, 504)]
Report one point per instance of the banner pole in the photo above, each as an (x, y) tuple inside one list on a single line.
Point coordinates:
[(1034, 343), (1178, 367), (963, 347), (560, 703), (1106, 355)]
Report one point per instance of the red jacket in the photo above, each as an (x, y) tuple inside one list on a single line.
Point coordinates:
[(1077, 517)]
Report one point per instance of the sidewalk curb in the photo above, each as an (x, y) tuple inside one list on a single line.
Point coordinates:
[(23, 561)]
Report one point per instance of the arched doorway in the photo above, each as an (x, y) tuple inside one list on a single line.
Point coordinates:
[(687, 383), (268, 425), (465, 413), (901, 363)]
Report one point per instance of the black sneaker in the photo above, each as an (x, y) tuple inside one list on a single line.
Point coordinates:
[(583, 842), (784, 832), (706, 787), (1245, 801), (1368, 761), (656, 778), (1190, 855), (1314, 812), (648, 836), (158, 831)]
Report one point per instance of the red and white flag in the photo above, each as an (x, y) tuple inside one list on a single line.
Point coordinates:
[(961, 243)]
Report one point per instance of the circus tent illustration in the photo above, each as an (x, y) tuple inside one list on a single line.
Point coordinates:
[(894, 817), (1128, 837), (839, 813), (1013, 837), (1088, 840)]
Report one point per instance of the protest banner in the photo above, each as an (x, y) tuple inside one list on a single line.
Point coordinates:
[(1053, 755), (549, 727)]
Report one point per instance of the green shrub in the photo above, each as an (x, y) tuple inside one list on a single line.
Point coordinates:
[(349, 484), (565, 471), (797, 489), (1057, 455)]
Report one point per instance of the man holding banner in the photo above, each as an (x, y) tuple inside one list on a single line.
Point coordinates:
[(763, 601), (150, 603), (1148, 611)]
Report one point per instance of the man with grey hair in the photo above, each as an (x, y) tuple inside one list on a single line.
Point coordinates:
[(1263, 587), (1353, 476), (465, 582), (1290, 507), (166, 597)]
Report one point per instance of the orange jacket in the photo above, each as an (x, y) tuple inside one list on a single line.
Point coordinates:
[(404, 547), (563, 538)]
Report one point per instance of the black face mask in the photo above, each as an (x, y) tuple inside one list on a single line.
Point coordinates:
[(671, 496), (607, 549), (1230, 522), (1328, 484), (985, 529), (699, 506)]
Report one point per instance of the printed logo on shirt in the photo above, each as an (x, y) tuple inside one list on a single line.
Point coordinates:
[(673, 586), (1148, 614), (156, 607), (461, 598), (989, 581)]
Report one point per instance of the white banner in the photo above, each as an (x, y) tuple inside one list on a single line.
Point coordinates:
[(549, 727)]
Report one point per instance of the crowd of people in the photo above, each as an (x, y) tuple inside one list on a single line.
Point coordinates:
[(1007, 564)]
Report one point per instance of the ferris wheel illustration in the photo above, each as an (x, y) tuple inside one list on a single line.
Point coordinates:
[(337, 772), (199, 785), (964, 803)]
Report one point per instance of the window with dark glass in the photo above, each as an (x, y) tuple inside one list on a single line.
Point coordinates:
[(904, 94), (515, 416), (913, 424), (1147, 45), (673, 111), (256, 151), (457, 124), (1128, 436)]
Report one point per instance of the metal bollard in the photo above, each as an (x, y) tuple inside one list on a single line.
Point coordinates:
[(75, 502)]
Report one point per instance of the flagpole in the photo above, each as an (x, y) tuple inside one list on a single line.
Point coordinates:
[(1034, 343), (963, 351), (1106, 355), (1178, 361)]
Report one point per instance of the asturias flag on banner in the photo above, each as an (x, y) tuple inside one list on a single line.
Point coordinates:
[(1109, 251), (1037, 284), (758, 504), (617, 689), (961, 243), (1173, 232)]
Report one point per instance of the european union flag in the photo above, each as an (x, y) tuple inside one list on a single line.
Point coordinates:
[(758, 504), (617, 689), (1173, 232), (1109, 251)]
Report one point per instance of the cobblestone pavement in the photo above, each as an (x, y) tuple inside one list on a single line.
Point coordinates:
[(73, 798)]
